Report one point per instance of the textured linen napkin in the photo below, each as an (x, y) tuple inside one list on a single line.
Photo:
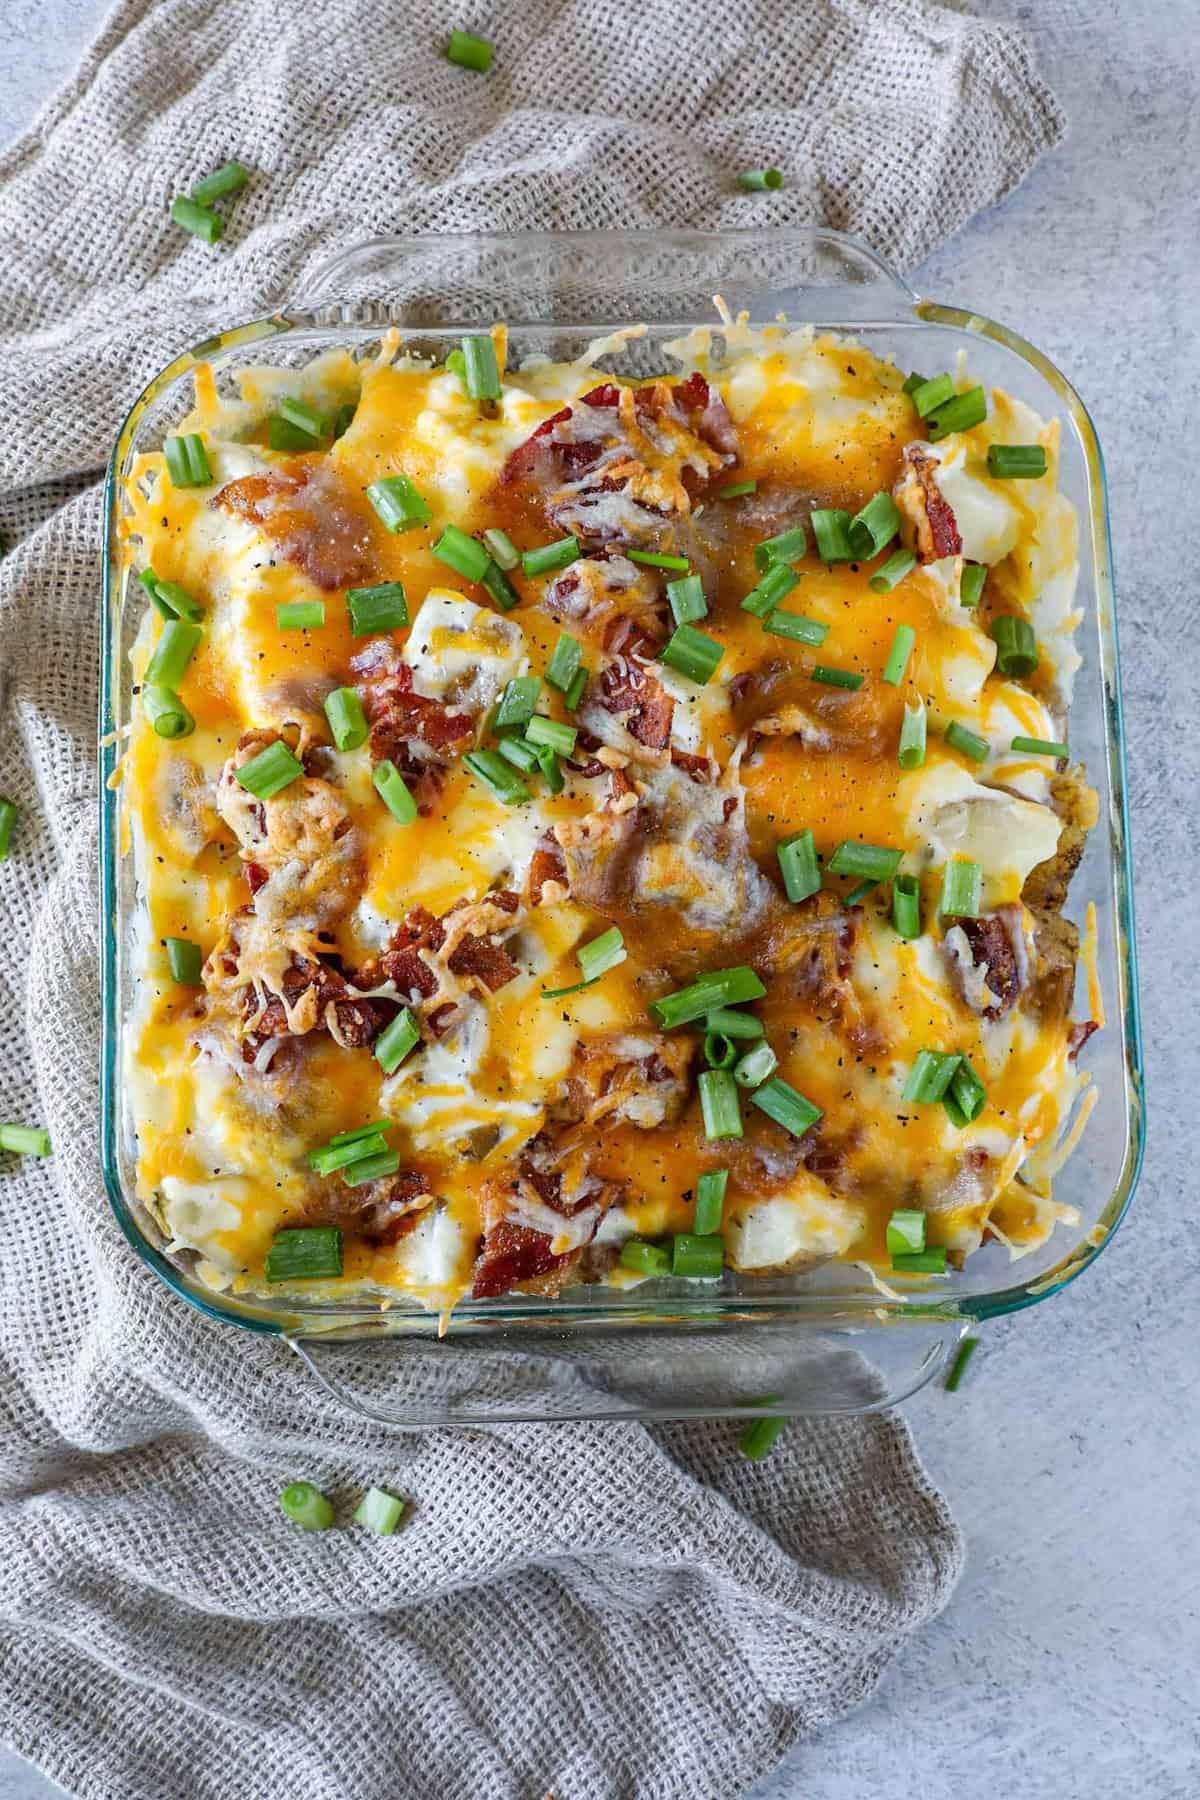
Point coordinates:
[(587, 1610)]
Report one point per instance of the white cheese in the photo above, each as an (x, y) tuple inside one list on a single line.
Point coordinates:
[(457, 645), (806, 1221)]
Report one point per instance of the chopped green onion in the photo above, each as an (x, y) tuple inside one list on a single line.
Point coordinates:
[(831, 529), (347, 720), (1019, 462), (371, 1168), (1016, 646), (305, 418), (929, 1076), (500, 548), (226, 180), (574, 693), (721, 987), (548, 557), (913, 383), (172, 601), (300, 615), (912, 736), (173, 652), (899, 564), (958, 414), (521, 755), (906, 905), (469, 51), (958, 1367), (564, 663), (781, 1102), (1040, 746), (786, 547), (653, 559), (795, 627), (757, 181), (775, 586), (308, 1253), (25, 1140), (720, 1052), (304, 1504), (687, 599), (759, 1439), (906, 1232), (166, 712), (798, 865), (644, 1258), (185, 960), (874, 525), (372, 609), (187, 461), (968, 743), (931, 394), (922, 1262), (200, 221), (394, 791), (962, 888), (710, 1202), (490, 769), (551, 734), (859, 893), (482, 374), (755, 1066), (548, 762), (343, 418), (692, 654), (396, 1040), (731, 1023), (331, 1157), (595, 959), (500, 587), (456, 364), (398, 503), (734, 490), (360, 1131), (283, 435), (463, 554), (719, 1105), (380, 1512), (840, 678), (970, 588), (518, 702), (966, 1096), (8, 818), (270, 771), (898, 655), (698, 1258), (866, 862)]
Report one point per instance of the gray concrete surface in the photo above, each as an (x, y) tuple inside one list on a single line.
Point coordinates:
[(1067, 1664)]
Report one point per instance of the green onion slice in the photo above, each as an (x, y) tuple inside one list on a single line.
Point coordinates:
[(518, 702), (720, 1052), (173, 652), (902, 648), (687, 599), (548, 557), (551, 734), (734, 490), (548, 763), (595, 959), (875, 525), (394, 791), (929, 1077), (563, 666), (187, 461), (719, 1105), (491, 770), (462, 553), (347, 720), (905, 1232), (500, 587), (755, 1066), (1019, 462), (966, 1096), (185, 960), (309, 1253), (1016, 646), (962, 888), (840, 678), (970, 588), (300, 615), (899, 564), (913, 383), (304, 1504), (1040, 746), (758, 1440), (922, 1262), (398, 504), (968, 743), (775, 586), (733, 1024), (906, 905), (644, 1258), (786, 547), (166, 712), (654, 559), (171, 600), (521, 755), (374, 609), (692, 654), (331, 1157), (380, 1512), (958, 1367), (469, 51), (957, 414), (781, 1102), (270, 771), (710, 1202), (798, 865), (8, 818), (226, 180), (721, 987), (912, 736), (574, 693), (396, 1040), (795, 627), (859, 893), (866, 862), (931, 394), (25, 1140), (831, 529), (305, 418), (481, 371), (697, 1258), (500, 548), (199, 221), (757, 181)]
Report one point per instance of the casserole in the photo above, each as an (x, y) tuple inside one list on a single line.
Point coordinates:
[(555, 295)]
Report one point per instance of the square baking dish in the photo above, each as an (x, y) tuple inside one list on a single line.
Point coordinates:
[(824, 1340)]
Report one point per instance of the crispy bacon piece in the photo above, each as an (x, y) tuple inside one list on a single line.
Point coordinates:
[(359, 1021), (931, 528), (379, 1212), (412, 730), (816, 954), (991, 940), (305, 509), (475, 954), (628, 691), (546, 866), (1079, 1034), (512, 1253)]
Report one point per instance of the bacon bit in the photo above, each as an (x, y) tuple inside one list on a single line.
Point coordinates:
[(439, 1019), (359, 1021), (627, 689), (308, 513), (933, 529), (697, 767), (474, 955), (512, 1253), (256, 875), (400, 719), (547, 869), (1079, 1034), (991, 942)]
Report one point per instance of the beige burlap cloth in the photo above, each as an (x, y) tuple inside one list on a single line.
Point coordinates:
[(580, 1609)]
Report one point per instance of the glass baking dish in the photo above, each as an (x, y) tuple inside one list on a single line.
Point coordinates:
[(825, 1340)]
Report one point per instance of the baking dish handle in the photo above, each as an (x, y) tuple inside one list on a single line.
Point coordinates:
[(796, 1374)]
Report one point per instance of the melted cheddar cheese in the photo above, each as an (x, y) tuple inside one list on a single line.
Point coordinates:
[(535, 1134)]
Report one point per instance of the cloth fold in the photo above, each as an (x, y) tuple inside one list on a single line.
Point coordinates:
[(585, 1610)]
